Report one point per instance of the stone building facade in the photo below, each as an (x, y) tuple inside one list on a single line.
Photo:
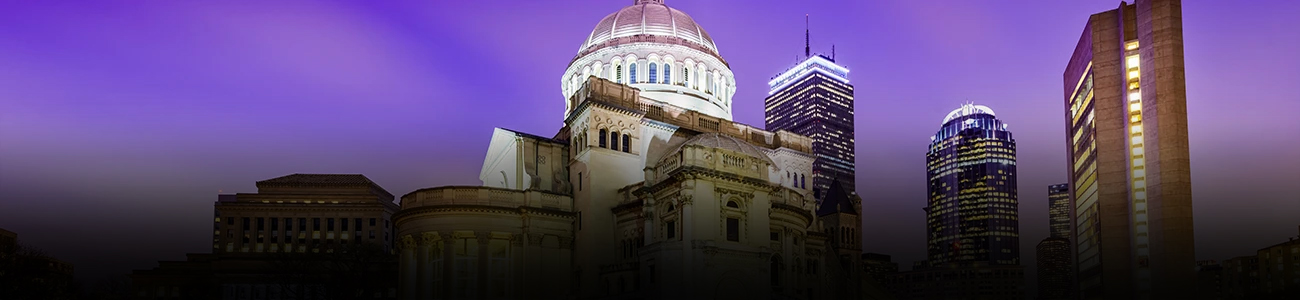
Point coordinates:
[(649, 190)]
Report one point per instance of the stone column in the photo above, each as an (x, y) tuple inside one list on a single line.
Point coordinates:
[(484, 239), (428, 244), (448, 265), (409, 265)]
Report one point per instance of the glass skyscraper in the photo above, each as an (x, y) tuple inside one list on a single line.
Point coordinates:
[(815, 99), (971, 214), (1058, 210)]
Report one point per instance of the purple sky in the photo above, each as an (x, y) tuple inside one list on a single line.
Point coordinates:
[(120, 121)]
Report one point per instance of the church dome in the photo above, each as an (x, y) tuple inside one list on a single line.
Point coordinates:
[(650, 18), (660, 51), (723, 141)]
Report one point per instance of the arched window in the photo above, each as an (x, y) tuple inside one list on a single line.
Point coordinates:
[(708, 84), (668, 74), (731, 204), (613, 140), (654, 70), (776, 270), (803, 181), (631, 73), (602, 138), (686, 77), (618, 74), (627, 139)]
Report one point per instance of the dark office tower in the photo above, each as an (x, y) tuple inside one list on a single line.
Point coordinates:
[(972, 211), (1058, 210), (815, 99), (1126, 132), (1054, 269)]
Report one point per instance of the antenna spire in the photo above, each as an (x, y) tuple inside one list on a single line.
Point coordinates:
[(807, 51)]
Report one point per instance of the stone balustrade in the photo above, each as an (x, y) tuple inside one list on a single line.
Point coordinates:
[(488, 196)]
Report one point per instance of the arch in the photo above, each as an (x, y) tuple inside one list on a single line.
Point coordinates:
[(654, 72), (730, 203), (686, 76), (613, 140), (775, 269), (632, 72), (602, 138), (618, 74), (626, 140), (668, 74)]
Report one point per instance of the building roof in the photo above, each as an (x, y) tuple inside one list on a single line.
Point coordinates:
[(722, 141), (966, 110), (649, 17), (837, 200), (318, 180)]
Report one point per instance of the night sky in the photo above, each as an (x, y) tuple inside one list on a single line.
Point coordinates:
[(120, 121)]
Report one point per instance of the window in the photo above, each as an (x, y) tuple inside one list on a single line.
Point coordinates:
[(776, 271), (774, 236), (803, 181), (732, 204), (618, 74), (654, 70), (668, 74), (631, 69), (288, 224), (602, 138), (626, 140), (315, 223), (671, 229), (372, 221), (579, 181), (613, 140), (733, 229), (261, 224), (686, 77), (345, 224), (330, 225)]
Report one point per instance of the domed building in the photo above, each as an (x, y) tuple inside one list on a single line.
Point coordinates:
[(648, 191)]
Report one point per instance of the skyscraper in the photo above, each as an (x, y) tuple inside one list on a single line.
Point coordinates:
[(971, 213), (815, 99), (1058, 210), (1054, 269), (1126, 132)]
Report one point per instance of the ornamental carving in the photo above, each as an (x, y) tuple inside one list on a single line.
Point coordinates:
[(429, 238), (483, 237), (408, 242), (535, 239)]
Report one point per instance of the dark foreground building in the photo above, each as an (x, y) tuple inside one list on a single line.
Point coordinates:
[(1055, 280), (29, 273), (1126, 132), (302, 236)]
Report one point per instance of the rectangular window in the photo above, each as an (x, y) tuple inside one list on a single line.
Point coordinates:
[(275, 224), (775, 236), (315, 223), (345, 224), (329, 224), (733, 229), (671, 229), (261, 224), (372, 221)]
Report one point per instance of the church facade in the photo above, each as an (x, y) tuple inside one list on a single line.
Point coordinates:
[(648, 191)]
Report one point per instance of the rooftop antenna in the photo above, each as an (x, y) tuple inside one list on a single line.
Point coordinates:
[(832, 52), (807, 51)]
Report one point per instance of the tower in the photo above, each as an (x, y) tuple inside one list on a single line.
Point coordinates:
[(815, 99), (1125, 108), (1058, 210), (971, 213)]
